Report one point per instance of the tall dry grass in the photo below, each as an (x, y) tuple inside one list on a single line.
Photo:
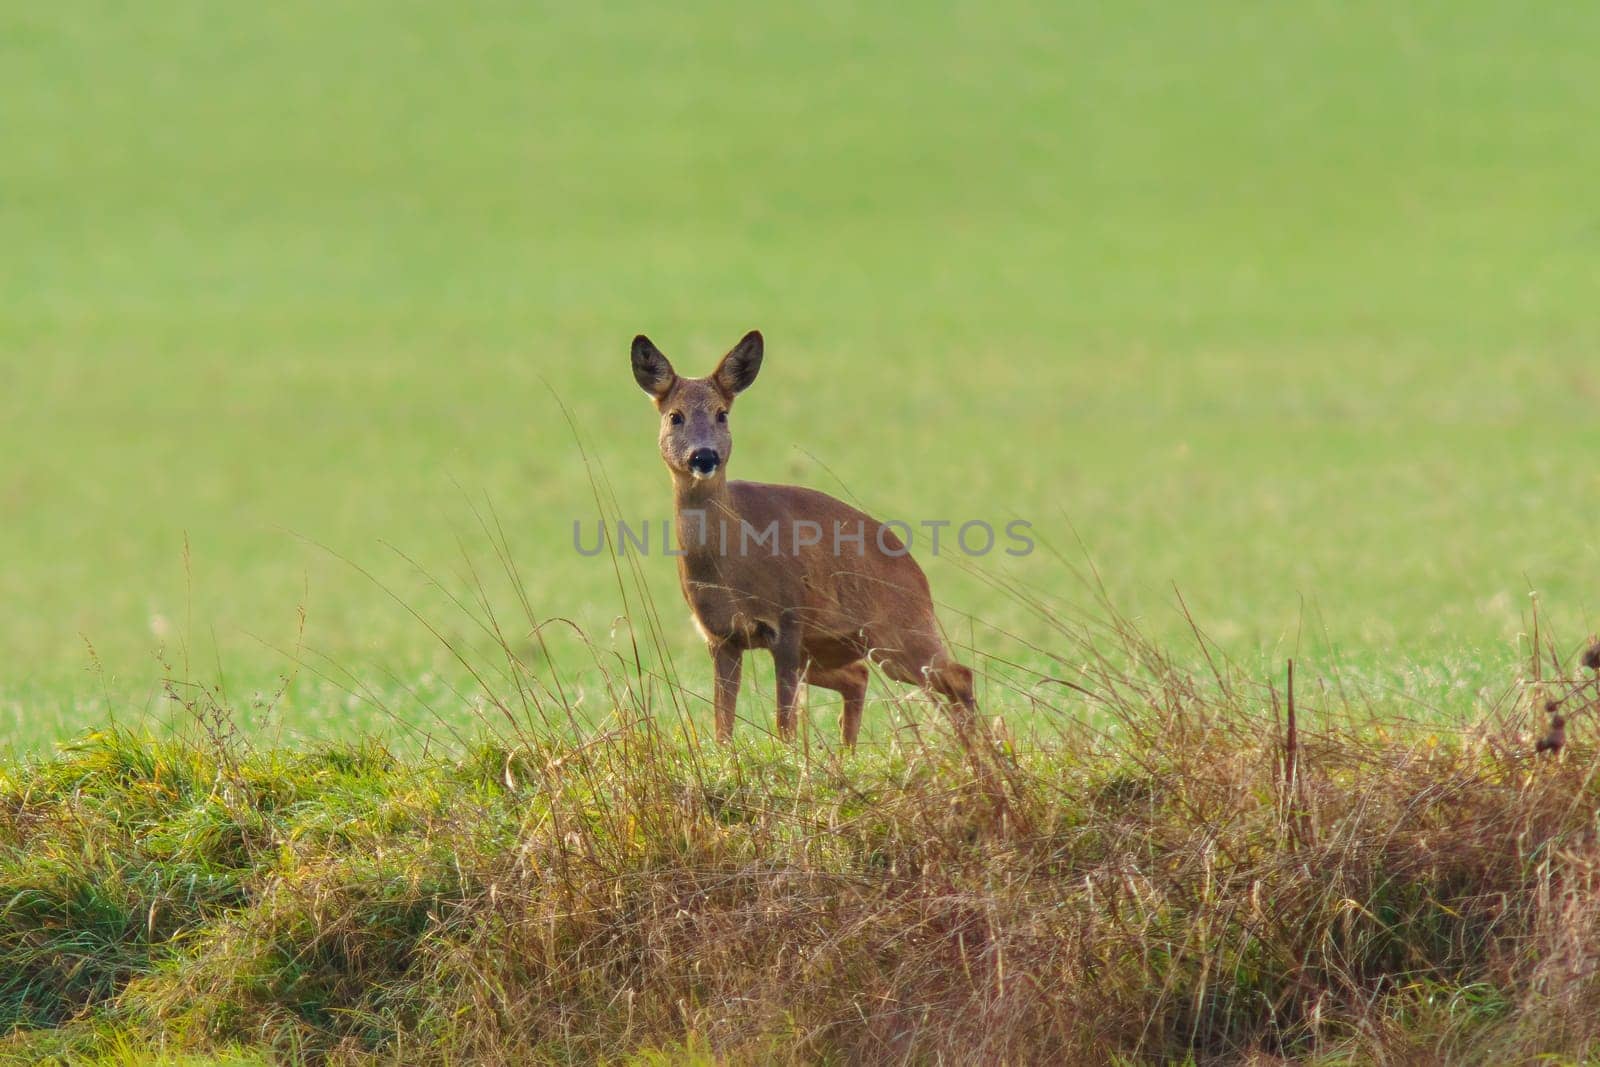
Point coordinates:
[(1190, 864), (1200, 866)]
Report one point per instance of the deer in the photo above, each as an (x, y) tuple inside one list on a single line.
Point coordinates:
[(821, 585)]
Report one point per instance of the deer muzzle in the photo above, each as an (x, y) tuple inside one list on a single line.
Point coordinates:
[(703, 462)]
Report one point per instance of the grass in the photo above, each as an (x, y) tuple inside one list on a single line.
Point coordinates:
[(1290, 308), (1226, 871)]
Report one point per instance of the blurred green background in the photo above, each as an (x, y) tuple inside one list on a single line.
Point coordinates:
[(1292, 307)]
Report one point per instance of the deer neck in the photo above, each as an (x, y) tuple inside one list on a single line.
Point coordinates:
[(702, 508)]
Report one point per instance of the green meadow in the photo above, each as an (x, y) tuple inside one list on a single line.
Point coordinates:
[(1293, 310)]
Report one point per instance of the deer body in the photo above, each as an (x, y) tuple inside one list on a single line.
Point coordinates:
[(821, 585)]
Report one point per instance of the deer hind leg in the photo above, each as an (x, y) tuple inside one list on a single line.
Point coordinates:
[(727, 660), (926, 662), (953, 682), (850, 682)]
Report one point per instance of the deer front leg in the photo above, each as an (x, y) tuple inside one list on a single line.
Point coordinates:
[(727, 660), (788, 663)]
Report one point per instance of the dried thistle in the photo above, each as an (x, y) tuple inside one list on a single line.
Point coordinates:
[(1552, 741)]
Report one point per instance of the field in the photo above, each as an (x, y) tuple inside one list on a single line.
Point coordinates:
[(1291, 312), (1275, 323)]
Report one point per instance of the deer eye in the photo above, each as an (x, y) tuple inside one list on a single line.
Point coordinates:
[(677, 418), (722, 416)]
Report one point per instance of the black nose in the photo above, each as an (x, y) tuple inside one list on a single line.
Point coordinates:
[(704, 460)]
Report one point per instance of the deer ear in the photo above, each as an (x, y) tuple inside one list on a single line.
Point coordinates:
[(740, 366), (651, 369)]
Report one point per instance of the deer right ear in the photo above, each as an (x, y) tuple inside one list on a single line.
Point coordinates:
[(740, 366), (651, 369)]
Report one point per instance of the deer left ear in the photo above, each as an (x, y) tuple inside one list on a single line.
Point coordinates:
[(739, 367)]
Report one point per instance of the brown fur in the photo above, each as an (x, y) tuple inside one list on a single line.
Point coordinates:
[(822, 614)]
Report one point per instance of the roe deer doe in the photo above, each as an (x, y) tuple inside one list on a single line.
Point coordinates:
[(825, 605)]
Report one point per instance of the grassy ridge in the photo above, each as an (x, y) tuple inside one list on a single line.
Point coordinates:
[(1282, 306), (1199, 880)]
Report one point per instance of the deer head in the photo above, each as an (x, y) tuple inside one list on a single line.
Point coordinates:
[(695, 438)]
